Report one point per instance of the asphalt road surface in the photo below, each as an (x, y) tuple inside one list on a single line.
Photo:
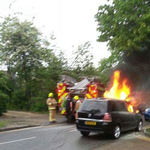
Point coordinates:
[(66, 137)]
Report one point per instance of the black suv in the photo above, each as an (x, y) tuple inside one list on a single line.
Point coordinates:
[(109, 116)]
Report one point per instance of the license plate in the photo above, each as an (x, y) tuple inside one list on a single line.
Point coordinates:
[(90, 123)]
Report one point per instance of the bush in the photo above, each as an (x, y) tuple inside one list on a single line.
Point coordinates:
[(4, 97), (18, 100), (39, 104), (3, 100)]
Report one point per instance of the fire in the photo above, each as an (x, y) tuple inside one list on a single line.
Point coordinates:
[(119, 90), (130, 108)]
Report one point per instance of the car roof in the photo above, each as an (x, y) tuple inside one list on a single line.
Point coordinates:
[(105, 99)]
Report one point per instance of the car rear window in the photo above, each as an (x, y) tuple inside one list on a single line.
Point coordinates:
[(89, 105)]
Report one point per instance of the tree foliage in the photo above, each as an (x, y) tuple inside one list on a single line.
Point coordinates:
[(106, 65), (125, 25), (31, 63), (83, 61), (34, 64)]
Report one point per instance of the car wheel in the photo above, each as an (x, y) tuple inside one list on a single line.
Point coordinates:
[(84, 133), (146, 119), (116, 132), (140, 125)]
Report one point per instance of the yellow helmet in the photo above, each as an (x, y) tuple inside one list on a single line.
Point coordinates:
[(76, 97), (50, 95)]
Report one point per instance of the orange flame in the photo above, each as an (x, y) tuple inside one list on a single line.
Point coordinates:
[(130, 108), (119, 90)]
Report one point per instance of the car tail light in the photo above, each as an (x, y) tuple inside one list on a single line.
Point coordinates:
[(107, 117)]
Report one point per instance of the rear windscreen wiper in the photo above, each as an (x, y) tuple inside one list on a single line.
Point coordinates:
[(94, 111), (85, 110)]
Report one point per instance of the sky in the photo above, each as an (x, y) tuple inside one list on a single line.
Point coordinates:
[(71, 21)]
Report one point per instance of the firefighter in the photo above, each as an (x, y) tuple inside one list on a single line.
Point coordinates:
[(78, 102), (51, 102), (69, 108)]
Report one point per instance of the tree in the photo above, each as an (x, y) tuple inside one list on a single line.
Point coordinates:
[(82, 62), (125, 25), (31, 63), (21, 50)]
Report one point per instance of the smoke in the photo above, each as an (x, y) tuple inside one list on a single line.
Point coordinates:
[(136, 68)]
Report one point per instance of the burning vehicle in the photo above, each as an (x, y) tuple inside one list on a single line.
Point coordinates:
[(120, 90), (109, 116), (112, 114)]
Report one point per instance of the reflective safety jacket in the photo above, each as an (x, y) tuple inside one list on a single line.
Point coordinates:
[(51, 102)]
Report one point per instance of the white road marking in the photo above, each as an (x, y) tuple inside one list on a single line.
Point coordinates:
[(17, 140)]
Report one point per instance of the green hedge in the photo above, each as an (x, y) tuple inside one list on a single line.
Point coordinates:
[(3, 101)]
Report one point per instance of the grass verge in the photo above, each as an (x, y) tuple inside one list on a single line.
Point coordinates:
[(3, 124), (148, 130)]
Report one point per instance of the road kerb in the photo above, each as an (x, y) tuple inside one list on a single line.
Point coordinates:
[(29, 126), (146, 127), (19, 127), (146, 133), (145, 138)]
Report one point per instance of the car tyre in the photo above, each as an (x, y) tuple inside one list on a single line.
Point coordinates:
[(146, 119), (116, 132), (139, 126), (84, 133)]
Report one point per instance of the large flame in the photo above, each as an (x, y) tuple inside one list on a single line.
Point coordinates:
[(119, 90)]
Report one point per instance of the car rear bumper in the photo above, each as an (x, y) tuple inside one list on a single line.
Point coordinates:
[(147, 116), (100, 127)]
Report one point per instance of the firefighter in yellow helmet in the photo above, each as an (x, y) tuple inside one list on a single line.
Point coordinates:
[(51, 102), (78, 102)]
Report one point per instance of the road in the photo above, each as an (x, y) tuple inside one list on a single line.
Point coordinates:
[(66, 137)]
